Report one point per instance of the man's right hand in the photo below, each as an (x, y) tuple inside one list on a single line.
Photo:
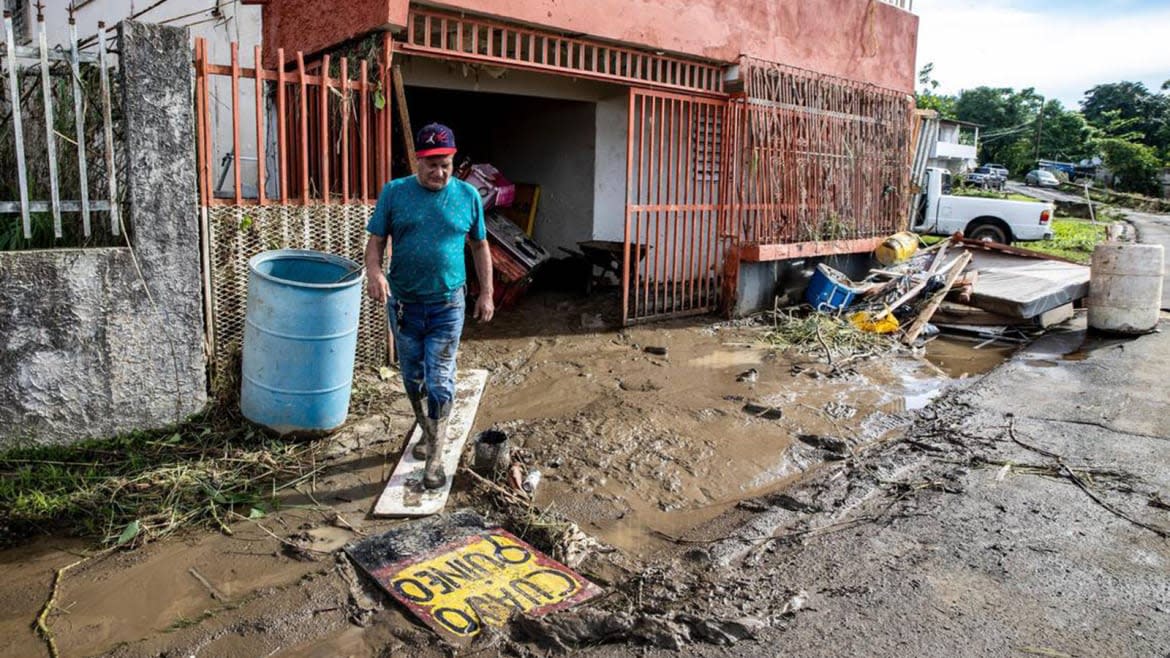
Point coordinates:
[(377, 287)]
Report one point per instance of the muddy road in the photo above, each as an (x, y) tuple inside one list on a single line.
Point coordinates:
[(642, 450)]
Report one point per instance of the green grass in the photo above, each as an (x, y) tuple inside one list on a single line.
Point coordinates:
[(1074, 239), (130, 489)]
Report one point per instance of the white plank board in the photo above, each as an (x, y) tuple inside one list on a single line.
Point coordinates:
[(405, 495)]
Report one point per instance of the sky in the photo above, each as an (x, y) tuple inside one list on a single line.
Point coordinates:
[(1062, 48)]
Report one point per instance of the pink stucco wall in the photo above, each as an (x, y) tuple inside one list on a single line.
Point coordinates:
[(312, 26), (864, 40)]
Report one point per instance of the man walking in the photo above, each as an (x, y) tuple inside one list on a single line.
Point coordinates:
[(426, 218)]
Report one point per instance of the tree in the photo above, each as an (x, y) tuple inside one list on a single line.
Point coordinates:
[(1135, 167), (1062, 134), (1005, 114), (927, 99), (1148, 113)]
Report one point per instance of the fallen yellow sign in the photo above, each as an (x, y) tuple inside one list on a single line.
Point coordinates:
[(479, 580)]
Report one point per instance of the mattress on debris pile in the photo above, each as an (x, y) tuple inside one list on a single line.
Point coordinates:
[(1024, 288)]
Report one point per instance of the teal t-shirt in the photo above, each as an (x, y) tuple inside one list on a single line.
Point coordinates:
[(427, 231)]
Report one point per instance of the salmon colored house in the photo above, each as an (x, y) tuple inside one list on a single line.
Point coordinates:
[(713, 143)]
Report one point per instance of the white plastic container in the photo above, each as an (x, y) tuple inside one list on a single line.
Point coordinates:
[(1125, 289)]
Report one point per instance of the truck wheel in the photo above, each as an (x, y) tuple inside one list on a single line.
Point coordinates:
[(989, 232)]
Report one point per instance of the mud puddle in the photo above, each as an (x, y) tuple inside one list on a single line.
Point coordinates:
[(959, 358), (635, 444)]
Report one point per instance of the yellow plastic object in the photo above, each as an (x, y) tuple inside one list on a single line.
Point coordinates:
[(896, 248), (522, 212), (886, 324)]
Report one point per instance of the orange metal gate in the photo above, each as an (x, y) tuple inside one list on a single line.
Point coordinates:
[(674, 245)]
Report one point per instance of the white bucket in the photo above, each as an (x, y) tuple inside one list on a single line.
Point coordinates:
[(1125, 289)]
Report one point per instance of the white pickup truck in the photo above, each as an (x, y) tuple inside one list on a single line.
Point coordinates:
[(979, 218)]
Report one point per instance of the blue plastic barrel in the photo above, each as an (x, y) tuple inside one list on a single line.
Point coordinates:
[(300, 336), (829, 290)]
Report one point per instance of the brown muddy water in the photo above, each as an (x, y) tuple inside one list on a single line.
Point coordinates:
[(632, 445)]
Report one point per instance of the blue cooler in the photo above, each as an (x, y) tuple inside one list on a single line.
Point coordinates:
[(829, 290)]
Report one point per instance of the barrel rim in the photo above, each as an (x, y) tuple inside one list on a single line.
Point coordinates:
[(311, 254)]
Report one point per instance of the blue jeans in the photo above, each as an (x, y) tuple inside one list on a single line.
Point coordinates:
[(427, 340)]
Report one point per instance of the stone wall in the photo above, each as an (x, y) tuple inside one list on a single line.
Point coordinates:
[(95, 342)]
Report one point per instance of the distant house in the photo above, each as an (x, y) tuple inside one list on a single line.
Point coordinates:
[(957, 146)]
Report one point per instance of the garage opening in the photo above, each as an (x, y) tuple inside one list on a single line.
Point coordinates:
[(560, 143)]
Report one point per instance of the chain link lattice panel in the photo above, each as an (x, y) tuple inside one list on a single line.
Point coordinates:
[(239, 232)]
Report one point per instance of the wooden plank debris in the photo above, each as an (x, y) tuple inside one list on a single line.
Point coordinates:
[(956, 270), (404, 495)]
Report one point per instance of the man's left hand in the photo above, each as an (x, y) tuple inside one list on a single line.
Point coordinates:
[(485, 308)]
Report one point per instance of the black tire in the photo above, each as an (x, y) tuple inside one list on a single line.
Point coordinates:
[(989, 231)]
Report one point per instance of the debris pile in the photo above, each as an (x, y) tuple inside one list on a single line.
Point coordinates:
[(991, 291)]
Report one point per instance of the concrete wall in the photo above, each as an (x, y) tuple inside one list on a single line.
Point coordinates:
[(426, 72), (862, 40), (86, 349), (761, 283), (609, 197), (551, 142)]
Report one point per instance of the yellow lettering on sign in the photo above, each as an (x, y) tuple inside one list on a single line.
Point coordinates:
[(484, 582)]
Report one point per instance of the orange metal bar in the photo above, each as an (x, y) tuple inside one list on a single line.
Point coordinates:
[(304, 125), (250, 72), (771, 252), (364, 102), (707, 196), (323, 140), (259, 128), (629, 205), (345, 133), (679, 235), (200, 112), (690, 244), (282, 125), (660, 186), (236, 117)]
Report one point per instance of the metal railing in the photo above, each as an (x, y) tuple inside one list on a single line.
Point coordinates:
[(908, 5), (817, 159), (439, 34), (330, 139), (17, 61)]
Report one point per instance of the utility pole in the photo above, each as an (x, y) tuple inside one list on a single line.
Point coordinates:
[(1039, 128)]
